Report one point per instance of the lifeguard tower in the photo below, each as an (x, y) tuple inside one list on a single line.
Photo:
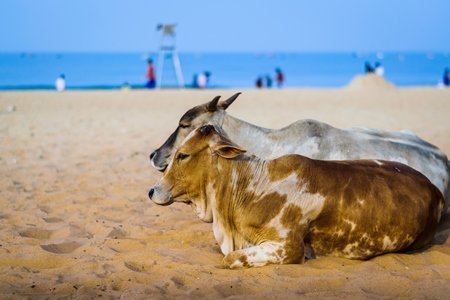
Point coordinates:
[(167, 48)]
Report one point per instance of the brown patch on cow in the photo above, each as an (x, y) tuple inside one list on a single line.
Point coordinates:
[(281, 168), (347, 219), (292, 215), (243, 259), (252, 254), (243, 212), (233, 257), (257, 214), (294, 246)]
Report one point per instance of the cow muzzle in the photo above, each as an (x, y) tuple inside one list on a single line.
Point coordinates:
[(150, 193), (156, 163), (158, 196)]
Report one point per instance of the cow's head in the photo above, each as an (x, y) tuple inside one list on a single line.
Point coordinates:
[(191, 171), (209, 113)]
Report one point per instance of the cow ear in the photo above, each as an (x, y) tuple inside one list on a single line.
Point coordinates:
[(212, 106), (224, 104), (227, 149)]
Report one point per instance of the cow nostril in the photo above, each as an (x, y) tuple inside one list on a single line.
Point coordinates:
[(150, 193), (152, 155)]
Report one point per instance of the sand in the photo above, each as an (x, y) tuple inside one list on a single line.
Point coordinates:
[(76, 221)]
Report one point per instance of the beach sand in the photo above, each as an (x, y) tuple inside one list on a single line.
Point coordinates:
[(76, 221)]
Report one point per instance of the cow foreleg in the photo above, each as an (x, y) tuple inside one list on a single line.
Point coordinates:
[(264, 254)]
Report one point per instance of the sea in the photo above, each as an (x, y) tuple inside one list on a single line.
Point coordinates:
[(38, 71)]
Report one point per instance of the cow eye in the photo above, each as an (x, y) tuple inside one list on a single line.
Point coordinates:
[(182, 156), (205, 129)]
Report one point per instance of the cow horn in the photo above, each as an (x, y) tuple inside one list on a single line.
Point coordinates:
[(226, 103), (212, 106)]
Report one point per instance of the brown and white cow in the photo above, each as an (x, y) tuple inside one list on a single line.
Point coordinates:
[(267, 211), (313, 139)]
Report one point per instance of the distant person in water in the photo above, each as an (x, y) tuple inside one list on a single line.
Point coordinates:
[(369, 69), (60, 83), (125, 86), (279, 78), (446, 77), (379, 69), (151, 81)]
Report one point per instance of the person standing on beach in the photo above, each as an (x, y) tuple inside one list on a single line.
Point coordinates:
[(368, 68), (268, 81), (379, 69), (203, 80), (446, 77), (258, 82), (60, 83), (280, 77), (151, 81)]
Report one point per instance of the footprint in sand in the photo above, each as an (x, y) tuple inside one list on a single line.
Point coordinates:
[(180, 282), (117, 234), (62, 248), (138, 267), (52, 220), (71, 231), (36, 233)]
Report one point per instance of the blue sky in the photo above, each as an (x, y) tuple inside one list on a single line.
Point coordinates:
[(223, 26)]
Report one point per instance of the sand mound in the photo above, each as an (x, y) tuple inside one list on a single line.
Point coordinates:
[(369, 82)]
